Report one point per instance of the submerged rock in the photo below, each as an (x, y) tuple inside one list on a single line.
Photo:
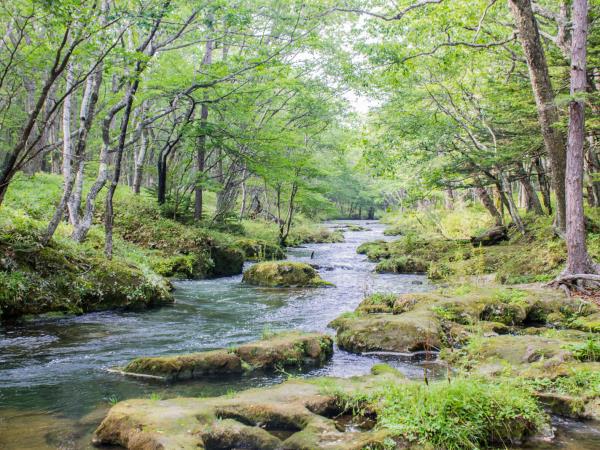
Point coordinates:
[(292, 349), (283, 274)]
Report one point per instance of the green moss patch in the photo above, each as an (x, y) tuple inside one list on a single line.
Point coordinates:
[(283, 274), (66, 278), (292, 349)]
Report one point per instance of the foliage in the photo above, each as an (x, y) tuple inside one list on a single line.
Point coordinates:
[(466, 413)]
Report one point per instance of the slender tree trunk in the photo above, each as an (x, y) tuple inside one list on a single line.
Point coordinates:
[(544, 185), (529, 37), (510, 202), (487, 201), (201, 151), (244, 193), (578, 259), (532, 202), (85, 222), (73, 159), (139, 163)]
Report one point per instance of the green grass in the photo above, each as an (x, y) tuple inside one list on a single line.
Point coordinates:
[(579, 382), (464, 414)]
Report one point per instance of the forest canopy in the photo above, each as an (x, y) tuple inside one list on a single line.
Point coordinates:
[(225, 110)]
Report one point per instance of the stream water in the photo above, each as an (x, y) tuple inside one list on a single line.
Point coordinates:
[(54, 387)]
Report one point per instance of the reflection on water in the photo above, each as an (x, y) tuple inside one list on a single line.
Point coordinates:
[(54, 388)]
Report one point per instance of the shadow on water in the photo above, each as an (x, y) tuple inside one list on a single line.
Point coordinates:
[(54, 388)]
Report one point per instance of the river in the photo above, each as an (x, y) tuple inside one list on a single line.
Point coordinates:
[(54, 387)]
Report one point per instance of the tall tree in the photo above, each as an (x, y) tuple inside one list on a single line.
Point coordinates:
[(579, 263), (529, 36)]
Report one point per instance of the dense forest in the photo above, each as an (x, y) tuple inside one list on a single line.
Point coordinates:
[(147, 142)]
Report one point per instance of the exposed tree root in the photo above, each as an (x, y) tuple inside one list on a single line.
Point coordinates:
[(583, 283)]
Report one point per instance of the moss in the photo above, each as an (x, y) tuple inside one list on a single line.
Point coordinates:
[(195, 365), (277, 351), (313, 234), (228, 260), (283, 274), (258, 249), (402, 264), (292, 415), (411, 331), (375, 250), (35, 279), (378, 369), (537, 256), (179, 266)]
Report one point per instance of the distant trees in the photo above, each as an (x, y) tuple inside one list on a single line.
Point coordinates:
[(176, 98)]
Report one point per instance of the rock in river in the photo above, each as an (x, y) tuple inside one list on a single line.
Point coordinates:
[(292, 349), (283, 274)]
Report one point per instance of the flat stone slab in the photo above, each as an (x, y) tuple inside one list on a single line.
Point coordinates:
[(291, 349), (294, 415)]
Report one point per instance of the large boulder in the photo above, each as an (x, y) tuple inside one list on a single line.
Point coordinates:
[(370, 412), (555, 364), (228, 260), (413, 331), (283, 274), (291, 349)]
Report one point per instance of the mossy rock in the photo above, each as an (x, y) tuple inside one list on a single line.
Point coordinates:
[(402, 264), (260, 250), (375, 251), (412, 331), (38, 279), (322, 414), (287, 349), (448, 317), (283, 274), (292, 349), (319, 235), (183, 367), (295, 415), (227, 261)]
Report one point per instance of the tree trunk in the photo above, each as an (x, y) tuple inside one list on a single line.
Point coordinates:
[(73, 159), (512, 208), (487, 201), (578, 259), (544, 185), (139, 163), (201, 152), (529, 37), (532, 202)]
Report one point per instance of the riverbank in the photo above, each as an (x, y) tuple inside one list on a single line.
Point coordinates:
[(150, 249), (53, 372), (46, 359), (538, 346)]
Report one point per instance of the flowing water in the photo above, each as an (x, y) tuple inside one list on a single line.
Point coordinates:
[(54, 387)]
